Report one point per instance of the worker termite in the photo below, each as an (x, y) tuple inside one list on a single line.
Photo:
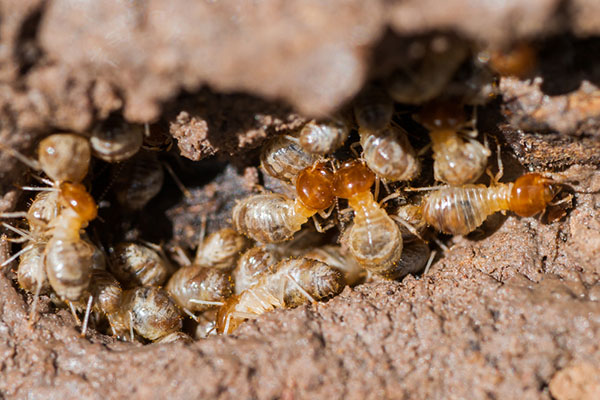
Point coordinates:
[(374, 239), (196, 288), (116, 141), (251, 266), (147, 311), (293, 282), (283, 157), (272, 218), (458, 158), (389, 154), (221, 249), (323, 137), (134, 265), (460, 210), (138, 180)]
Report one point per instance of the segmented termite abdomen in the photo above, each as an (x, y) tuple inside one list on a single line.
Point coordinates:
[(266, 218), (389, 154), (199, 283), (284, 158), (414, 257), (251, 266), (137, 265), (323, 137), (460, 210), (221, 249), (31, 273), (374, 239), (457, 161), (149, 311), (69, 266)]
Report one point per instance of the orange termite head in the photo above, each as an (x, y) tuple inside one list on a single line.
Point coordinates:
[(352, 178), (75, 196), (313, 186), (531, 194), (442, 115)]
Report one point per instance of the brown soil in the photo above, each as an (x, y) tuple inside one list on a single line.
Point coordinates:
[(512, 311)]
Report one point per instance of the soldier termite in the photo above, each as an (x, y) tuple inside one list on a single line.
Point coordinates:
[(460, 210), (458, 158), (135, 264), (293, 282), (272, 218), (374, 239), (147, 311)]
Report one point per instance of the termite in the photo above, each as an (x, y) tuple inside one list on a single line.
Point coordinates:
[(374, 239), (460, 210), (373, 109), (116, 141), (135, 264), (221, 249), (389, 154), (458, 158), (283, 157), (138, 180), (323, 137), (272, 218), (251, 266), (196, 288), (293, 282), (147, 311)]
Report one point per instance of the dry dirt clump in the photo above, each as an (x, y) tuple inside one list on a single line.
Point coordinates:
[(511, 311)]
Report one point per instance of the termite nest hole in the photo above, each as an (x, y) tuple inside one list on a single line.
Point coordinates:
[(182, 249)]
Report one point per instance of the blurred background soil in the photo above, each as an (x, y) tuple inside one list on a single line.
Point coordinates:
[(512, 313)]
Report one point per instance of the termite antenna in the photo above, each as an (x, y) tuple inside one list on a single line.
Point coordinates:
[(429, 262), (206, 302), (31, 163), (300, 288), (86, 318)]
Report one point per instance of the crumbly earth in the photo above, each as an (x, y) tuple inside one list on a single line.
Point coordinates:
[(512, 311)]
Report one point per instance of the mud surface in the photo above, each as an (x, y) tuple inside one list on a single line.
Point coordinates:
[(511, 311)]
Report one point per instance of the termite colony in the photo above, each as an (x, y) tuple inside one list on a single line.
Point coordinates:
[(361, 204)]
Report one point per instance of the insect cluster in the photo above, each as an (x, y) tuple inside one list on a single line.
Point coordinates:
[(372, 217)]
